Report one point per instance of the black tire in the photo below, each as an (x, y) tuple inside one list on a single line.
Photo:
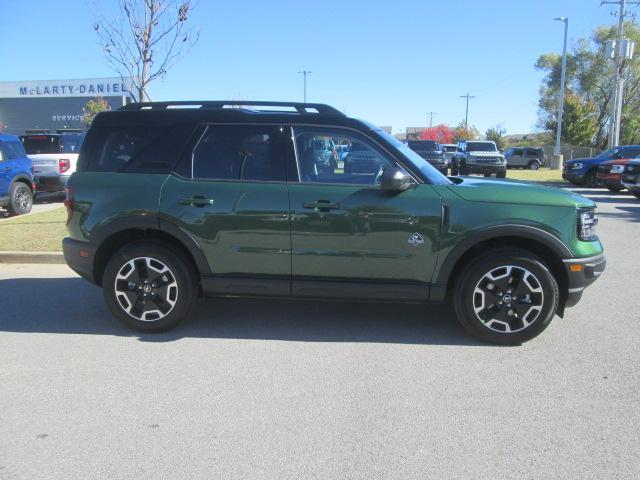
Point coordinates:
[(20, 199), (590, 179), (486, 174), (637, 195), (455, 171), (533, 166), (501, 174), (464, 170), (615, 188), (509, 323), (172, 297)]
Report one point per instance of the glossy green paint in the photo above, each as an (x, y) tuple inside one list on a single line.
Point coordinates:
[(244, 230), (103, 199), (263, 228), (366, 236)]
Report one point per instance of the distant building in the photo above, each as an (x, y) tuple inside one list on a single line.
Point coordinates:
[(54, 104), (386, 129), (413, 133)]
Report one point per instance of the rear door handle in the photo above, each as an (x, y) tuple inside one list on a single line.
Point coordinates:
[(6, 169), (197, 201), (322, 205)]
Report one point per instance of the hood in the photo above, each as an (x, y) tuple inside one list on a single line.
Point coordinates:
[(581, 160), (516, 192)]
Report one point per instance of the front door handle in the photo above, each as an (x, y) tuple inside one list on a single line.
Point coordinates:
[(197, 201), (6, 169), (322, 205)]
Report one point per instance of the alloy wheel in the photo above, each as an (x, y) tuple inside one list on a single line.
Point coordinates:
[(146, 289), (508, 299)]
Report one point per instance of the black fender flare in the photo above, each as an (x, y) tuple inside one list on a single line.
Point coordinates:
[(526, 232), (20, 177), (151, 221)]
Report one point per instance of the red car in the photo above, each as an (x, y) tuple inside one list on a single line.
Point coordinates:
[(610, 174)]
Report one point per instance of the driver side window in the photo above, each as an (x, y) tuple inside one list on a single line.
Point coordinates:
[(337, 156)]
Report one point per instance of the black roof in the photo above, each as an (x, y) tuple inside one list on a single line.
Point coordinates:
[(245, 111)]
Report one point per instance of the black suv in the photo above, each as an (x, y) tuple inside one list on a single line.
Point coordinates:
[(431, 151), (169, 202)]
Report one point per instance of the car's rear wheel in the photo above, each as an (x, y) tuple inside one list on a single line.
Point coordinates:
[(20, 199), (636, 194), (148, 287), (614, 188), (506, 296), (534, 166)]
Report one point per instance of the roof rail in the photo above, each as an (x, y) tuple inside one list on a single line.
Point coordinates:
[(302, 108)]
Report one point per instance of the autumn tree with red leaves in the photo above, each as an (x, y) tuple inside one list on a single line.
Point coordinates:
[(440, 133)]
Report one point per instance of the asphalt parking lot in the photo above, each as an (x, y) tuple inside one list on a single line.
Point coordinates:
[(277, 389)]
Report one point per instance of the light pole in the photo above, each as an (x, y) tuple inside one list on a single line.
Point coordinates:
[(305, 73), (466, 112), (557, 156)]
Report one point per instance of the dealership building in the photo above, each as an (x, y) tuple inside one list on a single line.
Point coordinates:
[(54, 105)]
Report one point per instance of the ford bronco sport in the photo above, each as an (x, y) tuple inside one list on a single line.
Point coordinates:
[(176, 199), (479, 156)]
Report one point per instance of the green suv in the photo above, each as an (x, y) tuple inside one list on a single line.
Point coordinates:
[(174, 200)]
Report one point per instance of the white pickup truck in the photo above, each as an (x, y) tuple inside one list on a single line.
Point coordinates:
[(54, 157)]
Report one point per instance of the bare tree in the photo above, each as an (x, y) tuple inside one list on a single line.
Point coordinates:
[(146, 40)]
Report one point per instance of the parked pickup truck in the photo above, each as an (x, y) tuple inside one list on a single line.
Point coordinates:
[(54, 157), (431, 151)]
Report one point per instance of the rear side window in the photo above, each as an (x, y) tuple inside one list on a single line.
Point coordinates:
[(137, 149), (41, 144), (71, 143), (11, 150), (227, 152)]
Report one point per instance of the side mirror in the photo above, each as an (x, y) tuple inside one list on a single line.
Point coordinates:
[(395, 180)]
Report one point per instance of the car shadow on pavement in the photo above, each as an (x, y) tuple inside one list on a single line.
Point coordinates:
[(73, 306)]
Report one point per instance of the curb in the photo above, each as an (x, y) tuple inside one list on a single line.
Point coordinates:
[(31, 257)]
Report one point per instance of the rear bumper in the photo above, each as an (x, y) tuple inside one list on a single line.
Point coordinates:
[(582, 272), (50, 184), (79, 257)]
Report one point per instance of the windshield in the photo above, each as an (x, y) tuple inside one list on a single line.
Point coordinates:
[(424, 145), (608, 153), (38, 144), (71, 143), (419, 163), (481, 147), (449, 148)]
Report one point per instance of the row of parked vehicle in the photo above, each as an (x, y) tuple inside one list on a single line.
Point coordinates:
[(615, 169), (475, 156), (35, 162)]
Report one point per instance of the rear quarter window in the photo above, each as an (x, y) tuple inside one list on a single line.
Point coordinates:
[(12, 150), (133, 149)]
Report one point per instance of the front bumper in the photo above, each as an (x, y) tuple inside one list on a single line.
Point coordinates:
[(581, 273), (486, 168), (79, 256), (631, 182), (50, 184), (609, 179), (573, 176)]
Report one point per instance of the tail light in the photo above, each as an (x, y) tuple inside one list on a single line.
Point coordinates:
[(64, 164)]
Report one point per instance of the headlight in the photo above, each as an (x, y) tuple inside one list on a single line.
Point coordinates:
[(575, 166), (587, 221), (617, 169)]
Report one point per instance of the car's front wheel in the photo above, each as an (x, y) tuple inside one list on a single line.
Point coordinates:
[(20, 199), (614, 188), (148, 287), (506, 296)]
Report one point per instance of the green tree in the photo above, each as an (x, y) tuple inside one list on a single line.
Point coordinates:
[(589, 78), (464, 132), (497, 134), (579, 121), (92, 108)]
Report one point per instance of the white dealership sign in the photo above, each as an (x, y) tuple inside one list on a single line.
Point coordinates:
[(88, 87)]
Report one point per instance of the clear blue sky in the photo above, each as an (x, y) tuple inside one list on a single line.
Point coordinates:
[(384, 61)]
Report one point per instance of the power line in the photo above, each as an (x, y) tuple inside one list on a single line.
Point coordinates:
[(466, 113)]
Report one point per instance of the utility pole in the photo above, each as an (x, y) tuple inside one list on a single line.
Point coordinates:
[(557, 156), (618, 83), (431, 114), (466, 113), (305, 73)]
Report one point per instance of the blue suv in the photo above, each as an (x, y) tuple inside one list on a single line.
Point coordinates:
[(582, 171), (16, 178)]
